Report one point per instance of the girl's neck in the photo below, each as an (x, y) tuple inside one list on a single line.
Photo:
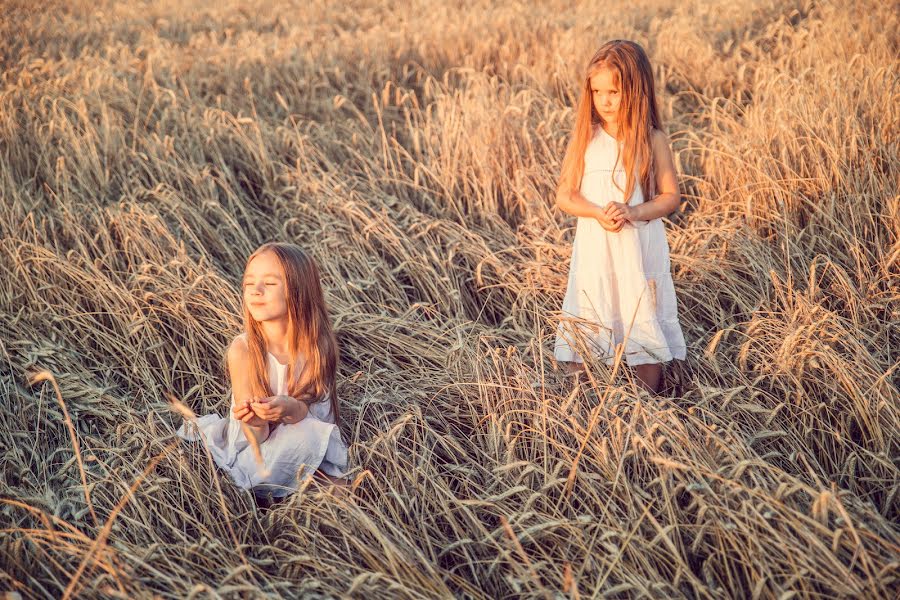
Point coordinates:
[(275, 332), (611, 128)]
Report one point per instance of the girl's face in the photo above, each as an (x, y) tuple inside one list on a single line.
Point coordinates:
[(606, 95), (264, 288)]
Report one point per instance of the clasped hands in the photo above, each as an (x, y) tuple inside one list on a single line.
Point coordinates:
[(613, 216), (256, 412)]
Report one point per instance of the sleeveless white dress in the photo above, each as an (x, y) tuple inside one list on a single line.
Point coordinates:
[(292, 451), (620, 286)]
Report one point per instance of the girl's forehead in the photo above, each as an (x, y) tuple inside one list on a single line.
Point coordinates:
[(604, 77), (265, 263)]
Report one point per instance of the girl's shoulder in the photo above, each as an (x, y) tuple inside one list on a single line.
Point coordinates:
[(658, 137), (238, 348), (240, 340), (660, 147)]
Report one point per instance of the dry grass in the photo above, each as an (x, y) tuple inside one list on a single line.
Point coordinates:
[(146, 149)]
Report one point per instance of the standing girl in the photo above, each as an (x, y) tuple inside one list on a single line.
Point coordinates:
[(282, 370), (618, 178)]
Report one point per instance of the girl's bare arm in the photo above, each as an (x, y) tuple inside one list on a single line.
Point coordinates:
[(571, 201), (281, 409), (238, 369), (668, 198)]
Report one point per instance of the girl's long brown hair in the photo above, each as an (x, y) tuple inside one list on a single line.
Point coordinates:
[(638, 116), (310, 335)]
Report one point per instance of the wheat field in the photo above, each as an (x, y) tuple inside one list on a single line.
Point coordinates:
[(413, 148)]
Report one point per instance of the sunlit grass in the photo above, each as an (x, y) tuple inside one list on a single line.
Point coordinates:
[(147, 148)]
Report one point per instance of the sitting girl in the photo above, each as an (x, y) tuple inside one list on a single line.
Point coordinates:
[(282, 371)]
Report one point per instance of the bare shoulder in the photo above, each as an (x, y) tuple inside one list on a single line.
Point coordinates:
[(661, 149), (659, 139), (238, 351)]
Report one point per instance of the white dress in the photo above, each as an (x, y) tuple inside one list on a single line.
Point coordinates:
[(313, 443), (619, 283)]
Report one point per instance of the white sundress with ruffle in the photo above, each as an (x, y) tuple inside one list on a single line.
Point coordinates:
[(618, 282), (292, 451)]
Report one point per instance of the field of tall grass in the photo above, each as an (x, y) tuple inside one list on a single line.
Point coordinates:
[(146, 148)]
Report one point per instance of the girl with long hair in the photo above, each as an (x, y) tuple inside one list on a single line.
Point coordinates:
[(284, 411), (618, 177)]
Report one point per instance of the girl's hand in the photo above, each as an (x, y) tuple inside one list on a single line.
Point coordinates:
[(620, 211), (611, 224), (280, 409), (244, 412)]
